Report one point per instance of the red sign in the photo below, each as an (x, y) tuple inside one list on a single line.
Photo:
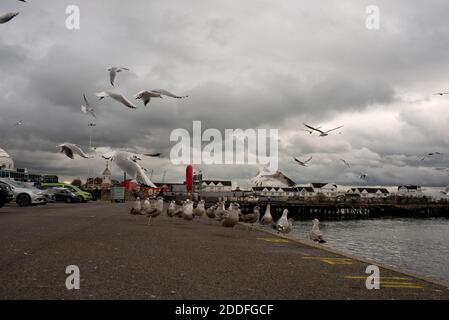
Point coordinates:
[(189, 177)]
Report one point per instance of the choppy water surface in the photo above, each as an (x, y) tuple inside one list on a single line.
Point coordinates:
[(417, 245)]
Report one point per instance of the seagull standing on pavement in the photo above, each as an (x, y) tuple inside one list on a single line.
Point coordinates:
[(316, 234), (284, 225), (267, 218)]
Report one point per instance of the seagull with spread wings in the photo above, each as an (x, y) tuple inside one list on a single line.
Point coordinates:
[(87, 108), (441, 93), (127, 162), (430, 154), (302, 163), (322, 133), (346, 163), (113, 73), (70, 149), (146, 96)]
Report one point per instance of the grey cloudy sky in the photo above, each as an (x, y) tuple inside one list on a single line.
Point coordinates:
[(244, 64)]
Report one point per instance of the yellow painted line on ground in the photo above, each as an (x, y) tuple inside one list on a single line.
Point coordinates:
[(331, 261), (401, 287), (274, 240), (389, 282), (386, 278)]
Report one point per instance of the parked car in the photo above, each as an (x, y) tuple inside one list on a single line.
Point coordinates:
[(6, 194), (82, 195), (24, 194), (3, 195), (64, 195)]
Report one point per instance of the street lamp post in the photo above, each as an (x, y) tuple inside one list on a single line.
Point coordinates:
[(91, 126)]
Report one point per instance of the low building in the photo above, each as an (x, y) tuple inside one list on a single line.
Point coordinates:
[(306, 192), (216, 186), (275, 192), (369, 192), (410, 191), (329, 190)]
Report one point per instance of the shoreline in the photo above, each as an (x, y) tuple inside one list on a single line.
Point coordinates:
[(353, 257)]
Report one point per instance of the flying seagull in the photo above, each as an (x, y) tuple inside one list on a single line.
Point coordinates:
[(267, 177), (309, 130), (69, 149), (440, 93), (113, 73), (345, 163), (363, 176), (126, 161), (8, 16), (117, 97), (322, 133), (146, 96), (18, 123), (430, 155), (303, 163), (87, 108)]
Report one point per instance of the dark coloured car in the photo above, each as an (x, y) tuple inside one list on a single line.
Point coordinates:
[(3, 195), (64, 195), (6, 194)]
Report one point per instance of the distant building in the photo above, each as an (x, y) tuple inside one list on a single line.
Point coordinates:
[(410, 190), (370, 192), (275, 192), (106, 177), (306, 192), (327, 189), (216, 186)]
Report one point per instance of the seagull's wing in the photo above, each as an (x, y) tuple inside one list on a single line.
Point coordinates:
[(312, 128), (308, 160), (152, 155), (334, 129), (66, 150), (86, 102), (168, 94), (123, 100), (112, 75), (299, 161), (78, 150)]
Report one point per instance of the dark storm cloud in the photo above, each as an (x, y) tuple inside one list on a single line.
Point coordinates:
[(244, 65)]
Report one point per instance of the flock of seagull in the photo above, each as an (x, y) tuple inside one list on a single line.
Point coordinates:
[(362, 176), (227, 217), (125, 160)]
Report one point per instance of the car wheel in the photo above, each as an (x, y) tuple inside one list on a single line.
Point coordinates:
[(81, 199), (23, 200), (68, 200)]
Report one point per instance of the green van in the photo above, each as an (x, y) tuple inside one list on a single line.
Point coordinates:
[(84, 196)]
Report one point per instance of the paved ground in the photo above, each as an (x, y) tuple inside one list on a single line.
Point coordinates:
[(123, 258)]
